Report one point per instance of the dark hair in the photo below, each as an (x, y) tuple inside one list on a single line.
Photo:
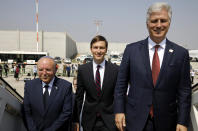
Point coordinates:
[(98, 38)]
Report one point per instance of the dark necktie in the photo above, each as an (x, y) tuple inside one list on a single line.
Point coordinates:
[(155, 71), (98, 84), (45, 96)]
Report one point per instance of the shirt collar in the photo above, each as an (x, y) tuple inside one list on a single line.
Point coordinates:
[(101, 64), (151, 44), (50, 84)]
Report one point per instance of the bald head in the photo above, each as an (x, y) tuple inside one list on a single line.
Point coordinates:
[(49, 59), (46, 69)]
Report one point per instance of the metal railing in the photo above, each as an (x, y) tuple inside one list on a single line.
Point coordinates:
[(8, 87), (194, 108), (11, 118)]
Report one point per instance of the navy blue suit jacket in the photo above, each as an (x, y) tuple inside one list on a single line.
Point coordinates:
[(171, 97), (58, 113)]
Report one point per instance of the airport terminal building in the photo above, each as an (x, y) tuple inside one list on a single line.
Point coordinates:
[(22, 45), (17, 44), (84, 47)]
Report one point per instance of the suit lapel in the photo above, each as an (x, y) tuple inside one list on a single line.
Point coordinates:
[(166, 59), (39, 91), (91, 80), (90, 73), (144, 51), (53, 93), (105, 79)]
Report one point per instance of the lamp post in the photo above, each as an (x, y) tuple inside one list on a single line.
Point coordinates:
[(37, 38), (97, 23)]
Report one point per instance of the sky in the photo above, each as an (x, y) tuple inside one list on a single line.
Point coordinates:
[(122, 20)]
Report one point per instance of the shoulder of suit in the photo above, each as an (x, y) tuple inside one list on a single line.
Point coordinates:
[(114, 66), (30, 84), (138, 43), (177, 47), (85, 65), (62, 82), (34, 81)]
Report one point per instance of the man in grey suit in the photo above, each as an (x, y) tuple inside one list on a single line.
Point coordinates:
[(158, 70), (47, 99), (97, 80)]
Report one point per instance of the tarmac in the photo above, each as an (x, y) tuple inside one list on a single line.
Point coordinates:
[(19, 85)]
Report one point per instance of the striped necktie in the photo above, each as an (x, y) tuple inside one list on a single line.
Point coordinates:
[(98, 83)]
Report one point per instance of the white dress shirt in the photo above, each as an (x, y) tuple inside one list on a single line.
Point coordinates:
[(161, 49), (101, 70), (50, 86)]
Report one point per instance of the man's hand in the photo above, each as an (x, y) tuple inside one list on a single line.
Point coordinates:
[(76, 126), (181, 128), (120, 121)]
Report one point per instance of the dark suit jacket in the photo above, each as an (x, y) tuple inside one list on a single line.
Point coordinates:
[(171, 97), (93, 103), (58, 112)]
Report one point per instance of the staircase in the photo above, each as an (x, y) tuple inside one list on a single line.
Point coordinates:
[(11, 118)]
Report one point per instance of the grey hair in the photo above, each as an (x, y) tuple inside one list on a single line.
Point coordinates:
[(49, 57), (156, 7)]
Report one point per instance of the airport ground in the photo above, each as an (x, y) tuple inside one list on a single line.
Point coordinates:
[(19, 85)]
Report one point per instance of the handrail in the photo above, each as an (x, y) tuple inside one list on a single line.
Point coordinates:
[(9, 88), (10, 109), (195, 87), (11, 117), (194, 108)]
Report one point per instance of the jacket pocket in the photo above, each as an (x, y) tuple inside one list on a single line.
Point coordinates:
[(130, 101)]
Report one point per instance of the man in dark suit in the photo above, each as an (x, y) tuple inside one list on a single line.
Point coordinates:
[(97, 80), (158, 70), (47, 99)]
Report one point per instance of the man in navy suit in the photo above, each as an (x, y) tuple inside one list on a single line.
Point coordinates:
[(97, 80), (47, 99), (158, 70)]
